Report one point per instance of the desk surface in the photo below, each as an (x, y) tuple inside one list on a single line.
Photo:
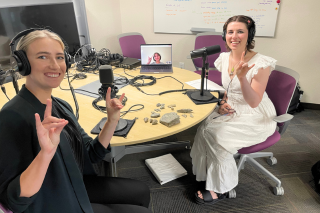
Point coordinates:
[(141, 131)]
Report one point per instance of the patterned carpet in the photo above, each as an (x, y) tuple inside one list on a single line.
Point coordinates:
[(296, 152)]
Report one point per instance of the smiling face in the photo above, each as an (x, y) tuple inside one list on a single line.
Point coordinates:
[(237, 36), (157, 57), (48, 67)]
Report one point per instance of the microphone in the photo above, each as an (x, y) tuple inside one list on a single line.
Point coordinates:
[(209, 50), (106, 79), (203, 52)]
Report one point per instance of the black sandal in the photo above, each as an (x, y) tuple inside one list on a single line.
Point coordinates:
[(207, 198)]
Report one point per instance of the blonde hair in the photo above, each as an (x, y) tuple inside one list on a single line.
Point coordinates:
[(26, 40)]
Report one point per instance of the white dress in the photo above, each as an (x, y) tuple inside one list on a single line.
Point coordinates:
[(218, 138)]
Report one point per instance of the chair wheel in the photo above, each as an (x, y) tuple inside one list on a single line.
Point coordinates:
[(278, 191), (232, 193), (272, 161)]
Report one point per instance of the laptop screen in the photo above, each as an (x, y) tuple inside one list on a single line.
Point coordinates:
[(156, 54)]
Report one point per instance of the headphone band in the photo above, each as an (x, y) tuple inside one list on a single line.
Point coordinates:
[(21, 34)]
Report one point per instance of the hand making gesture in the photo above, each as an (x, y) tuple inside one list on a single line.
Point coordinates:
[(149, 59), (113, 106), (242, 69), (49, 130)]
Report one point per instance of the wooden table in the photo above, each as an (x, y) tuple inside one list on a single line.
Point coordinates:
[(141, 131)]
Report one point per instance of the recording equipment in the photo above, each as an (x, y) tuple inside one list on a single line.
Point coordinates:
[(130, 63), (204, 52), (106, 79), (208, 50), (19, 60)]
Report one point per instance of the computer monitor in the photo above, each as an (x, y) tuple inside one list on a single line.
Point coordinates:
[(60, 18)]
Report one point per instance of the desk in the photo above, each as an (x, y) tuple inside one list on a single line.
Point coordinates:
[(141, 131)]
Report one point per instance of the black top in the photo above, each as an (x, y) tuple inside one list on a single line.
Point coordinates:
[(63, 189)]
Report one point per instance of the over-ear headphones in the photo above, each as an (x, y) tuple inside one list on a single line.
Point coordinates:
[(19, 58), (158, 55), (251, 31), (114, 58)]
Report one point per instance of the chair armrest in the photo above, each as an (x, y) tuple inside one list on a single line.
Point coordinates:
[(283, 118)]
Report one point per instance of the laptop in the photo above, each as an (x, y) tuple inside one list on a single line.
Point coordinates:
[(156, 58)]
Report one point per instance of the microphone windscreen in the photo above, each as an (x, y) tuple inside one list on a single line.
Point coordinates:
[(106, 75)]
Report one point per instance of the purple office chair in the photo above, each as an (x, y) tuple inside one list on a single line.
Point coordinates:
[(4, 210), (281, 85), (205, 40), (130, 44)]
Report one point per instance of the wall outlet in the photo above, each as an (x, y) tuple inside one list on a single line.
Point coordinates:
[(181, 65)]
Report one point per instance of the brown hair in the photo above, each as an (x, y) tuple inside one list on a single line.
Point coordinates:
[(250, 24)]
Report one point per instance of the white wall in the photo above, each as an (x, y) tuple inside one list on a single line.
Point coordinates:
[(104, 22)]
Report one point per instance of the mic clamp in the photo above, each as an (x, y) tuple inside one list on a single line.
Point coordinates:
[(104, 88)]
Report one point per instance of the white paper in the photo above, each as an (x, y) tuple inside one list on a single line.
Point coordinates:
[(165, 168), (211, 85)]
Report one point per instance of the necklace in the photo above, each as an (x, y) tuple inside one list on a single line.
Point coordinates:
[(232, 70)]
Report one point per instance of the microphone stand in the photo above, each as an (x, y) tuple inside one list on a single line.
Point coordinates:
[(122, 123), (203, 95)]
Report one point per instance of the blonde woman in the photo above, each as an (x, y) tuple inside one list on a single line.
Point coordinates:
[(45, 156)]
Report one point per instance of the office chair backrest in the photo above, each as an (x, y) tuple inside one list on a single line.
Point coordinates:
[(4, 210), (280, 88), (130, 44), (205, 40)]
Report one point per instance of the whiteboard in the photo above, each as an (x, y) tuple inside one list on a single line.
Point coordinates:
[(179, 16)]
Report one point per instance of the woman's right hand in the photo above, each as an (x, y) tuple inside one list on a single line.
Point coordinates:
[(225, 109), (149, 59), (49, 130)]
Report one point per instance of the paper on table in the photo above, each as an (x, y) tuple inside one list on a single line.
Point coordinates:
[(211, 85)]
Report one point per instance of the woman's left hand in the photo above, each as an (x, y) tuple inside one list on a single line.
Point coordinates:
[(242, 69), (113, 106)]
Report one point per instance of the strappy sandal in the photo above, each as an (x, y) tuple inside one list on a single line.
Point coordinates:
[(207, 198)]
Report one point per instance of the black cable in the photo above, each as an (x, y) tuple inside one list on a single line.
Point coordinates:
[(74, 98), (103, 109), (4, 91), (80, 90)]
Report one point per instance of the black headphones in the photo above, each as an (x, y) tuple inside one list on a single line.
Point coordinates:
[(114, 58), (158, 55), (251, 31), (19, 58)]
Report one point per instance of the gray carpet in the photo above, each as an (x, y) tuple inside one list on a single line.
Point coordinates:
[(296, 152)]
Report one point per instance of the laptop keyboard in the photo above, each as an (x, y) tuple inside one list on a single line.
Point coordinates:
[(156, 67)]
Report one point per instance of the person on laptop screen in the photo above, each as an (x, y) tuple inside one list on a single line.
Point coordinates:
[(156, 59)]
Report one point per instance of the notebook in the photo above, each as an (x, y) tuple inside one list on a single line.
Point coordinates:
[(156, 58), (165, 168)]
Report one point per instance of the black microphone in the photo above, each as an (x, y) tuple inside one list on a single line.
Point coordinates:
[(107, 79), (209, 50), (202, 95)]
